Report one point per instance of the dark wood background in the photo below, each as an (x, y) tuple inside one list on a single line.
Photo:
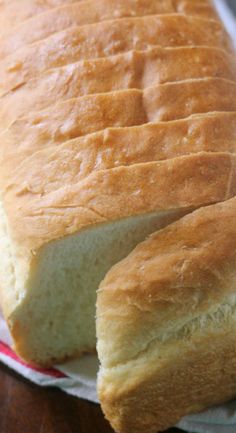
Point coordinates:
[(27, 408)]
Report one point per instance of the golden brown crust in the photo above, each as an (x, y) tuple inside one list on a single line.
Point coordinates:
[(110, 148), (201, 8), (186, 270), (178, 100), (89, 12), (87, 114), (14, 12), (135, 69), (106, 39)]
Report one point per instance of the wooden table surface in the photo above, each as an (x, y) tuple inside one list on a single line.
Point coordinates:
[(27, 408)]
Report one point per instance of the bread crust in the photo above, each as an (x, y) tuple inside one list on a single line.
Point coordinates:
[(183, 272), (114, 147), (135, 69), (109, 38), (89, 12), (85, 115), (15, 12)]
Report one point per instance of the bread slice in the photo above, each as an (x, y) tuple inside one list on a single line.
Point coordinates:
[(166, 324), (109, 38), (75, 233), (114, 147), (202, 8), (92, 11), (134, 69), (14, 12), (80, 116)]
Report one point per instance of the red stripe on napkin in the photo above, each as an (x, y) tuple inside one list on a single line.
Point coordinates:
[(6, 350)]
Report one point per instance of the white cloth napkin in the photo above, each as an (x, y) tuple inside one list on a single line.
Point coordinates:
[(78, 378)]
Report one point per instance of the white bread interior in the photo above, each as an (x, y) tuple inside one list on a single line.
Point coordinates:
[(52, 312)]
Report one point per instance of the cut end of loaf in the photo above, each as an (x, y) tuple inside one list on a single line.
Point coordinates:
[(55, 316), (52, 316)]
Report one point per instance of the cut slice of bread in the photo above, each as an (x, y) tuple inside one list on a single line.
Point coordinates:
[(134, 69), (92, 11), (15, 12), (77, 232), (166, 324), (201, 8), (115, 147), (109, 38), (80, 116)]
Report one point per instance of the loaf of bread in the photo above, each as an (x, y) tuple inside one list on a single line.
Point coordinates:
[(118, 118)]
